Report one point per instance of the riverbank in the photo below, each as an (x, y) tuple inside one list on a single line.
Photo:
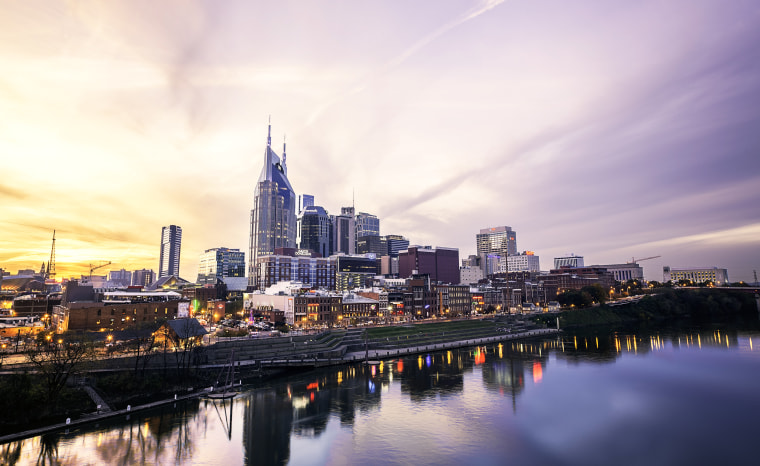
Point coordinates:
[(662, 305), (356, 347), (94, 418)]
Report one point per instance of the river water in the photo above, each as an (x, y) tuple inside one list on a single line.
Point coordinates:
[(669, 397)]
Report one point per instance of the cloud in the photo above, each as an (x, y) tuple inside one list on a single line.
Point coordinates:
[(399, 59), (6, 191)]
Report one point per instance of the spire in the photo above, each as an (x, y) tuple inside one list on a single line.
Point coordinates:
[(269, 133), (284, 155)]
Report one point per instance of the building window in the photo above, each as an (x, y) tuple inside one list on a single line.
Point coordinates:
[(98, 311)]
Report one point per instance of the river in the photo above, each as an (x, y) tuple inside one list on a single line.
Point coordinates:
[(688, 395)]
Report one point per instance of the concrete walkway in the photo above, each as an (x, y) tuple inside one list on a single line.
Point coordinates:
[(348, 358), (389, 353), (99, 402)]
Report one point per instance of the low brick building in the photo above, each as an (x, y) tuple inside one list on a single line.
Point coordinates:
[(317, 309), (105, 316)]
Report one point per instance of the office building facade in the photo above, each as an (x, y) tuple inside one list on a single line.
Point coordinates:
[(344, 231), (304, 201), (355, 271), (695, 275), (372, 244), (314, 272), (171, 245), (273, 217), (624, 272), (571, 260), (441, 264), (527, 261), (143, 277), (315, 230), (500, 241), (396, 244), (367, 225), (219, 263), (120, 277)]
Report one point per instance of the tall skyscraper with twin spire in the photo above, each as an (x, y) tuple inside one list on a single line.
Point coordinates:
[(273, 218)]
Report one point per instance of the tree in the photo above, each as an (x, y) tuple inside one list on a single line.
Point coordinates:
[(596, 292), (141, 338), (575, 298), (59, 359)]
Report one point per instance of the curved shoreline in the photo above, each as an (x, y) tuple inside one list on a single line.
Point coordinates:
[(348, 358)]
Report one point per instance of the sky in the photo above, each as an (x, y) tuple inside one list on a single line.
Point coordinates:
[(608, 129)]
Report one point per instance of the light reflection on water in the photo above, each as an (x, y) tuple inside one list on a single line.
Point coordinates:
[(669, 398)]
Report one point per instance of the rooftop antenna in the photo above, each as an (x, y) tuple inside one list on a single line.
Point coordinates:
[(284, 155), (269, 133), (50, 272)]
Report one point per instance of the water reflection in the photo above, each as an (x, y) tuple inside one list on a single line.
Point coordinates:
[(267, 422), (602, 346), (152, 438), (326, 404)]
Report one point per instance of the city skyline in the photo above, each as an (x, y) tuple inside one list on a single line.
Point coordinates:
[(608, 130)]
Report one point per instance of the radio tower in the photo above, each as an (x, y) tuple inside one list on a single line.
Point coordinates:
[(50, 273)]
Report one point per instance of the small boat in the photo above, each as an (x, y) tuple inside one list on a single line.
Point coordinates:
[(221, 395)]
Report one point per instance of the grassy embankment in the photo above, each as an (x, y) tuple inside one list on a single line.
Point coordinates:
[(665, 304), (427, 328)]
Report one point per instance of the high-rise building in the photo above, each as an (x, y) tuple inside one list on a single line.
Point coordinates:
[(220, 263), (171, 242), (344, 231), (367, 225), (528, 261), (143, 277), (304, 201), (315, 230), (441, 264), (396, 244), (273, 217), (372, 244), (498, 241), (355, 271), (120, 277), (315, 272)]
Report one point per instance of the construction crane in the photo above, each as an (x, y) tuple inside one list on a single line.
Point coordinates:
[(98, 267), (634, 260), (50, 271)]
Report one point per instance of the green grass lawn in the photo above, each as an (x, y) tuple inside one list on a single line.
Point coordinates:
[(427, 328)]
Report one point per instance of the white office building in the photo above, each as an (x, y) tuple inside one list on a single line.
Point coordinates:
[(695, 275), (570, 260), (527, 261)]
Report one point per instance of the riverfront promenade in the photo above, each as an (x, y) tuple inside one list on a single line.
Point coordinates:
[(347, 357), (379, 354)]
